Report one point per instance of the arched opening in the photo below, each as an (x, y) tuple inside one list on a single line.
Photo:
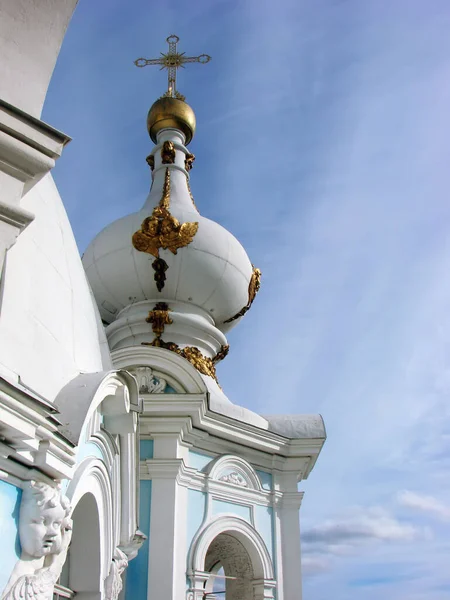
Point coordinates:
[(82, 570), (228, 559), (231, 569)]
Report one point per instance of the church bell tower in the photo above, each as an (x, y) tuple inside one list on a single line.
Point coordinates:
[(219, 499)]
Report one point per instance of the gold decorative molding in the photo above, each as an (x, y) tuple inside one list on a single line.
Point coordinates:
[(190, 193), (253, 289), (168, 153), (159, 317), (223, 352), (203, 364), (151, 161), (189, 161)]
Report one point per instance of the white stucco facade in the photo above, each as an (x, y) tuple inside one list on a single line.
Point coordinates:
[(47, 314)]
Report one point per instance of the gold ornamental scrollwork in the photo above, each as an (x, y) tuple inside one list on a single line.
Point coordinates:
[(168, 153), (253, 289), (190, 193), (151, 161), (203, 364)]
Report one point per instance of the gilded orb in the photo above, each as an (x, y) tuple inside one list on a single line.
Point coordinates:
[(171, 112)]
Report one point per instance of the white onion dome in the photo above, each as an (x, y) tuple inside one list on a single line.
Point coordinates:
[(168, 253)]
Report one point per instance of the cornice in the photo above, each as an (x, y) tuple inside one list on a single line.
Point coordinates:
[(29, 431), (220, 430)]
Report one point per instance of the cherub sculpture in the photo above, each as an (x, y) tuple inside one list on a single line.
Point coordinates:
[(45, 532)]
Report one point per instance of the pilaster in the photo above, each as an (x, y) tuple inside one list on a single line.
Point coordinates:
[(168, 526), (287, 501)]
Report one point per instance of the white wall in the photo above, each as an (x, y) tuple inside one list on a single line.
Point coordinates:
[(31, 33), (49, 325)]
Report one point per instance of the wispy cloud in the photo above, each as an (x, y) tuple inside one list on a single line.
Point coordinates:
[(426, 504), (373, 524)]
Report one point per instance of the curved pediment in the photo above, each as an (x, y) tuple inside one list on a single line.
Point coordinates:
[(234, 471)]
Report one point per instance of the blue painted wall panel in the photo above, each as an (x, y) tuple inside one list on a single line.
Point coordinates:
[(264, 526), (221, 506), (265, 479), (146, 449), (137, 572), (198, 460), (196, 512), (10, 497)]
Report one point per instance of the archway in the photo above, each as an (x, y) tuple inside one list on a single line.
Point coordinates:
[(82, 570), (228, 555), (231, 544)]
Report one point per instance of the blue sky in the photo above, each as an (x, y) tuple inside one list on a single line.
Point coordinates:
[(322, 143)]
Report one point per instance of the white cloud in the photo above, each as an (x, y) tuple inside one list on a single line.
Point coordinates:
[(374, 524), (314, 565), (428, 504)]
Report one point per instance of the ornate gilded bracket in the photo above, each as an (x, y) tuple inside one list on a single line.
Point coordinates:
[(162, 230), (189, 161), (159, 317), (168, 153), (253, 289)]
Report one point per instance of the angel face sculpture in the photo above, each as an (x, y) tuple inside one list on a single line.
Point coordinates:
[(44, 520)]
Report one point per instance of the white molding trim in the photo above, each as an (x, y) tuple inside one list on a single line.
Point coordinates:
[(91, 477)]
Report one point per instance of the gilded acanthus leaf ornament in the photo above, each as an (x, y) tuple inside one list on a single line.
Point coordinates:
[(253, 289), (151, 161), (168, 153), (203, 364), (159, 317), (163, 230)]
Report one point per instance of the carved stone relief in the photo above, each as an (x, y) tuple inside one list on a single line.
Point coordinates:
[(147, 382), (45, 531), (235, 478), (113, 583)]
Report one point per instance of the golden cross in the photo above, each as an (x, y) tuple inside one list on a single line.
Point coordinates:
[(172, 61)]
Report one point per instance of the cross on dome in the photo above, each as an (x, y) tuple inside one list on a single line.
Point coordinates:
[(172, 61)]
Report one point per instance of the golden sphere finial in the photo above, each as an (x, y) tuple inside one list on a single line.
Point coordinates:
[(169, 112)]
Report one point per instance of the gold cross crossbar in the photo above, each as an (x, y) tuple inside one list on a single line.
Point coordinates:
[(172, 61)]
